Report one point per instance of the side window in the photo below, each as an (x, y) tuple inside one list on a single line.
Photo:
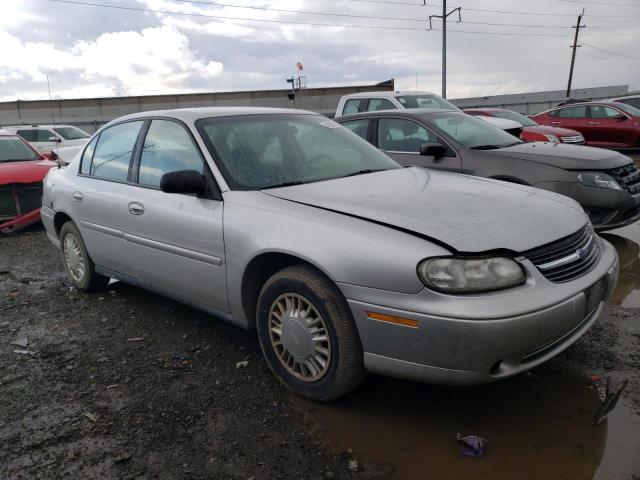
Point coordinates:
[(399, 135), (600, 111), (113, 152), (573, 112), (359, 127), (355, 105), (634, 102), (87, 156), (167, 148), (28, 135), (45, 135), (376, 104)]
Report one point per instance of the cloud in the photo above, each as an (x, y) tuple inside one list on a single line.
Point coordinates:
[(150, 61)]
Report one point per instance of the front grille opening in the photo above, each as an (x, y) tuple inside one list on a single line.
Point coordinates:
[(19, 198), (628, 177), (568, 258)]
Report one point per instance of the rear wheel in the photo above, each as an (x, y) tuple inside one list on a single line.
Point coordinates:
[(308, 335), (79, 266)]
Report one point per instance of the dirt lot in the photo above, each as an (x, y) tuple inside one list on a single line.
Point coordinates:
[(127, 384)]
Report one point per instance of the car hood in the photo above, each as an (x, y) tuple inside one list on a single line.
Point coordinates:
[(557, 131), (31, 171), (468, 214), (569, 157)]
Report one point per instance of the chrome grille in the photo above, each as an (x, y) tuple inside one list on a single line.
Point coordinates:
[(628, 177), (573, 139), (568, 258), (17, 199)]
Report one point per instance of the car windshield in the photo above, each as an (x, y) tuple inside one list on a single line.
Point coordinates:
[(265, 151), (470, 131), (13, 149), (630, 109), (71, 133), (515, 116), (425, 101)]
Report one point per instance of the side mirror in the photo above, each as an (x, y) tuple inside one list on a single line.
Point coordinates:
[(190, 182), (620, 117), (432, 150), (54, 139)]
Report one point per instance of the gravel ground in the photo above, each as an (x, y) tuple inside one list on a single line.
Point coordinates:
[(127, 384)]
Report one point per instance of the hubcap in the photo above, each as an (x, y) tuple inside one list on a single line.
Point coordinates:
[(299, 336), (74, 258)]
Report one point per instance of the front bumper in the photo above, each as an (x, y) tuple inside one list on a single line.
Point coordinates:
[(20, 222), (607, 208), (466, 350)]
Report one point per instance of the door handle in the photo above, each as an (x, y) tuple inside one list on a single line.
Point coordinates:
[(136, 208), (555, 123), (77, 196), (594, 123)]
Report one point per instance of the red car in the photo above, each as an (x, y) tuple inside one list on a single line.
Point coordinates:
[(22, 170), (531, 131), (603, 124)]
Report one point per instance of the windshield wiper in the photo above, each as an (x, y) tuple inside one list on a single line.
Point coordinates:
[(486, 147), (362, 172), (285, 184)]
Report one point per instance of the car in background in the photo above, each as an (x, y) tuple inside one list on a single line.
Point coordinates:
[(283, 221), (389, 100), (22, 170), (509, 126), (58, 138), (603, 124), (531, 131), (633, 100), (606, 183)]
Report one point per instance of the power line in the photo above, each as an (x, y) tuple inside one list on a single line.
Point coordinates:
[(370, 17), (294, 22), (582, 2), (610, 52)]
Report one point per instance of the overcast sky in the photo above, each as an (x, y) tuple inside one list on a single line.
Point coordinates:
[(91, 51)]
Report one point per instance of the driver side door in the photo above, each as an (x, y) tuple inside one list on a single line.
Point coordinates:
[(401, 138)]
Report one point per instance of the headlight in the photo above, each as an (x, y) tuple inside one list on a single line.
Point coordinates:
[(598, 179), (552, 138), (468, 275)]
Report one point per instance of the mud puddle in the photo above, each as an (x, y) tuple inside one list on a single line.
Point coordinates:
[(627, 243), (537, 426)]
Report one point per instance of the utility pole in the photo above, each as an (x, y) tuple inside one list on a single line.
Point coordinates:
[(444, 39), (573, 54)]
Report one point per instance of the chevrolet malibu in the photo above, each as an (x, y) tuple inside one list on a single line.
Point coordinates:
[(344, 262)]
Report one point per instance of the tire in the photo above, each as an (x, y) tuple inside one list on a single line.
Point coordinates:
[(75, 253), (302, 372)]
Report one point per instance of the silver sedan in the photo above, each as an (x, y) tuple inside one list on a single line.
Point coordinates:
[(285, 222)]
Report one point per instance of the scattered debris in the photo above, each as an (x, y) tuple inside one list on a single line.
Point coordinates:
[(135, 339), (609, 402), (472, 446), (122, 458), (109, 387), (21, 342), (596, 378), (21, 351), (91, 416), (353, 465), (242, 364), (180, 356), (4, 324), (11, 378)]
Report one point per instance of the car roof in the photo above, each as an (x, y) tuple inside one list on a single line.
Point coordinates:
[(7, 133), (491, 109), (27, 127), (590, 102), (386, 93), (615, 99), (197, 113), (400, 112)]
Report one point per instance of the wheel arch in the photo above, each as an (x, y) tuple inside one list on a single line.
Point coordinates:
[(59, 219), (259, 269)]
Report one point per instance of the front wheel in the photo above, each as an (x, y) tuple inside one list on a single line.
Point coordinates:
[(77, 262), (308, 335)]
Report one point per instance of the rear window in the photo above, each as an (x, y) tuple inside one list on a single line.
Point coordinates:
[(13, 149), (71, 133), (28, 135)]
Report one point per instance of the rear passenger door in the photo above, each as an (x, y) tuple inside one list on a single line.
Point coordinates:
[(574, 118), (176, 240), (401, 138)]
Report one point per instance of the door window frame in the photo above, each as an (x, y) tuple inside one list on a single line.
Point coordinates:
[(604, 118), (373, 130)]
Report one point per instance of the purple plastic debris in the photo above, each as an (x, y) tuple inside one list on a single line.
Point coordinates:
[(472, 446)]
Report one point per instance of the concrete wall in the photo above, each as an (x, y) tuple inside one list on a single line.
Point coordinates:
[(91, 113), (536, 102)]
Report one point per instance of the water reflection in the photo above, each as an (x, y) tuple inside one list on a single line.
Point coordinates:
[(538, 426), (627, 293)]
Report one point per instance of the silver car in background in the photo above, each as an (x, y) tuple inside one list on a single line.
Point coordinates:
[(286, 222)]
